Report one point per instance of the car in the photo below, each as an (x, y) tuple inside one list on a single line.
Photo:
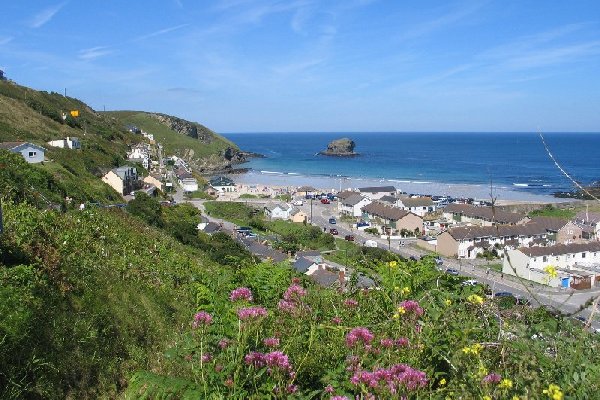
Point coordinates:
[(361, 224), (438, 260), (413, 258), (244, 230), (325, 201), (332, 221), (331, 196), (504, 294), (349, 238), (470, 282), (333, 231), (297, 202), (451, 271), (370, 243)]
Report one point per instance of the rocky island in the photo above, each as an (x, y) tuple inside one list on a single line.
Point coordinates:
[(340, 148)]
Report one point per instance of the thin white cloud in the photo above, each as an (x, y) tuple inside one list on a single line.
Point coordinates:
[(5, 40), (161, 32), (297, 67), (44, 16), (94, 52), (178, 3)]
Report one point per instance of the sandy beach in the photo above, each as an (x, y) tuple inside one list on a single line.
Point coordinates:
[(271, 184)]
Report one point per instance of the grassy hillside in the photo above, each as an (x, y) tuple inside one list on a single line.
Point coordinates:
[(174, 142), (34, 116)]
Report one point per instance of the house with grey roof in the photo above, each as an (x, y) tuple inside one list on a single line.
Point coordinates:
[(303, 265), (278, 211), (480, 215), (123, 179), (377, 192), (416, 205), (352, 205), (392, 217), (590, 224), (32, 153), (577, 265), (72, 143)]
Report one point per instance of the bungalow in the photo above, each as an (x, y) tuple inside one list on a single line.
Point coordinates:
[(377, 192), (484, 216), (32, 153), (577, 264), (397, 218), (68, 143), (123, 179), (278, 211), (416, 205), (353, 204), (297, 215), (222, 184), (303, 265), (469, 241)]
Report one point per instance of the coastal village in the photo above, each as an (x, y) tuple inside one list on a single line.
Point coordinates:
[(552, 251)]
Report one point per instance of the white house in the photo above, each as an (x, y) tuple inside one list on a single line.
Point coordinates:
[(68, 143), (351, 205), (485, 216), (416, 205), (222, 184), (32, 153), (278, 211), (140, 155), (577, 265), (189, 184), (377, 192)]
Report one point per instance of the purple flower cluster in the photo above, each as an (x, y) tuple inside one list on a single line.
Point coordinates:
[(402, 342), (339, 398), (492, 379), (412, 307), (251, 313), (207, 357), (274, 359), (394, 380), (351, 303), (241, 293), (271, 342), (294, 293), (359, 334), (201, 318), (224, 343), (387, 343)]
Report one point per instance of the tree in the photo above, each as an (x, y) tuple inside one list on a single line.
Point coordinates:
[(146, 208)]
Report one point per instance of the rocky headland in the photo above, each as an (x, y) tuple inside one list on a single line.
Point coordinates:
[(340, 148)]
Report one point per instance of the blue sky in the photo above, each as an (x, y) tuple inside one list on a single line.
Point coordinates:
[(316, 65)]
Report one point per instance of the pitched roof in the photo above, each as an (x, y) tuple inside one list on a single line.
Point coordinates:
[(345, 194), (560, 249), (211, 227), (552, 224), (384, 211), (588, 218), (302, 265), (352, 200), (477, 232), (273, 206), (485, 213), (377, 189), (388, 199), (10, 145), (325, 278), (295, 211), (221, 181), (417, 201)]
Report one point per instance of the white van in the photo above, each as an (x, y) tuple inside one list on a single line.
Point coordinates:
[(370, 243)]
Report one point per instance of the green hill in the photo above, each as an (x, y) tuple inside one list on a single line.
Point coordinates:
[(204, 149)]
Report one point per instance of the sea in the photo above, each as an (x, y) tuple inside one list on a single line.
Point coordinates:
[(509, 166)]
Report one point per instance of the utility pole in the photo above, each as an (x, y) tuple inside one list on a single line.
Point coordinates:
[(311, 201), (1, 218)]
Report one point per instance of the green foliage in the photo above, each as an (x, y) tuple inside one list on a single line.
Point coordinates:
[(199, 195), (551, 211), (147, 208), (373, 231)]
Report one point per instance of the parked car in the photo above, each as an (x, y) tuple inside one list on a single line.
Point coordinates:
[(332, 221), (361, 224), (438, 260), (325, 200), (349, 238), (470, 282), (503, 294), (297, 202), (333, 231), (451, 271), (331, 196), (370, 243)]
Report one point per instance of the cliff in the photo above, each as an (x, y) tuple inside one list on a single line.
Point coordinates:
[(340, 148)]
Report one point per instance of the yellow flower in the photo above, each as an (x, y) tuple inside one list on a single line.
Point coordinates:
[(486, 397), (448, 302), (474, 349), (397, 288), (393, 264), (482, 371), (466, 350), (405, 290), (554, 392), (442, 381), (505, 384), (401, 310), (551, 271), (475, 299), (396, 316), (516, 398)]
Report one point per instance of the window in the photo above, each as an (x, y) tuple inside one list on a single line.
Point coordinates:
[(582, 255), (32, 154), (545, 259)]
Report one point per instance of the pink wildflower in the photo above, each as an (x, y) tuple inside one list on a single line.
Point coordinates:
[(387, 343), (402, 342), (291, 389), (201, 318), (241, 293), (329, 389), (207, 357), (287, 306), (296, 280), (359, 334), (397, 377), (255, 359), (218, 368), (229, 382), (251, 313), (491, 379), (412, 307), (351, 303), (277, 359), (339, 398), (271, 342), (336, 320), (223, 343), (294, 293)]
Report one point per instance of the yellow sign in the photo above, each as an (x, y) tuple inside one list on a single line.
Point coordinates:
[(75, 113)]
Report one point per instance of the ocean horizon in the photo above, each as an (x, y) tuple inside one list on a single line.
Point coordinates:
[(514, 165)]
